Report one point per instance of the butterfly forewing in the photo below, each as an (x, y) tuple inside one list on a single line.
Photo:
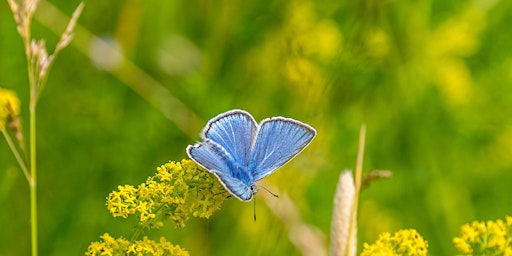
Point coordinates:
[(234, 131), (278, 140)]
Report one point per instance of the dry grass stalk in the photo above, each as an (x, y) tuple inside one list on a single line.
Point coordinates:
[(23, 12), (343, 238), (67, 36)]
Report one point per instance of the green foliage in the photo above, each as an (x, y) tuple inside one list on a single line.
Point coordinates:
[(431, 80)]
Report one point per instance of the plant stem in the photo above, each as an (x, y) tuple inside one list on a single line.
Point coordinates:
[(33, 174), (358, 178), (359, 163), (17, 155), (137, 232)]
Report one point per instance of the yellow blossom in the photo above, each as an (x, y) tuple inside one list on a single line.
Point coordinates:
[(109, 246), (485, 238), (176, 191), (121, 246), (9, 106), (403, 242)]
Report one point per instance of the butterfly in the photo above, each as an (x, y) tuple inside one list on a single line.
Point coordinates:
[(240, 152)]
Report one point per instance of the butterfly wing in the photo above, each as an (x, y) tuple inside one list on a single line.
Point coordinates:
[(214, 158), (235, 131), (279, 139)]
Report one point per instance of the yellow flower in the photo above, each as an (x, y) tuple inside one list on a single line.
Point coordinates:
[(403, 242), (109, 246), (9, 106), (121, 246), (176, 191), (485, 238)]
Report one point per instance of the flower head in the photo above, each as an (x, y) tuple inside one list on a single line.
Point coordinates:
[(9, 106), (485, 238), (121, 246), (403, 242), (176, 191)]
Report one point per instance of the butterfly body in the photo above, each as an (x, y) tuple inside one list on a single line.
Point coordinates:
[(240, 152)]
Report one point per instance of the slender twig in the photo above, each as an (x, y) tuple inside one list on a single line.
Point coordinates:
[(16, 153)]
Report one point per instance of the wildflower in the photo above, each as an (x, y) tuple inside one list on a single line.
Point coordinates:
[(109, 246), (121, 246), (176, 191), (485, 238), (9, 106), (403, 242)]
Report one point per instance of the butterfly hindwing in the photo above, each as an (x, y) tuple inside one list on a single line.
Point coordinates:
[(214, 158), (278, 140), (236, 187), (235, 131)]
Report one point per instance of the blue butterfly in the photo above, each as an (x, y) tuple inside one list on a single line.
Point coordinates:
[(240, 152)]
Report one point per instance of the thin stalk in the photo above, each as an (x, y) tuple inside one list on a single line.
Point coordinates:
[(137, 233), (358, 179), (17, 155), (359, 164), (33, 175)]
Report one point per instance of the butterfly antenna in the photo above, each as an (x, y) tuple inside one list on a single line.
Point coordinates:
[(254, 209), (269, 191)]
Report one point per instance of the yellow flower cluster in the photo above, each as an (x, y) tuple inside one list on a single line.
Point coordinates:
[(120, 246), (404, 242), (178, 190), (485, 238), (9, 106)]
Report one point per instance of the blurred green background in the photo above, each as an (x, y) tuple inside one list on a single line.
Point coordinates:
[(430, 79)]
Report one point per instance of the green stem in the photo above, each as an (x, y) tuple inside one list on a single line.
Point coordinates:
[(137, 232), (358, 178), (33, 175), (141, 226), (16, 153), (32, 69)]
